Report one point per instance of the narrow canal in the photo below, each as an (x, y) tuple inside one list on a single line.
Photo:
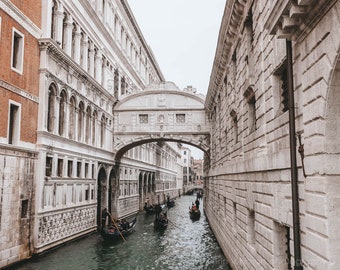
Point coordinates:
[(184, 245)]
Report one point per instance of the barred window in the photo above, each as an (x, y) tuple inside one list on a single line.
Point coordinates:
[(180, 118), (143, 119)]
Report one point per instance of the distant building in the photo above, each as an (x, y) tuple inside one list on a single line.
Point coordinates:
[(198, 171)]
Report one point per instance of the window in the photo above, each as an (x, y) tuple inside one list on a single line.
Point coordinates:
[(143, 119), (251, 227), (235, 125), (60, 167), (14, 124), (24, 208), (86, 170), (87, 194), (281, 80), (92, 170), (48, 167), (17, 51), (180, 118), (250, 98), (69, 168), (78, 168)]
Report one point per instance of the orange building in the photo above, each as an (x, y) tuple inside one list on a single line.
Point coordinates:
[(19, 86)]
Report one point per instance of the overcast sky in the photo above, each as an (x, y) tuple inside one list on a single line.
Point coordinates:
[(183, 37)]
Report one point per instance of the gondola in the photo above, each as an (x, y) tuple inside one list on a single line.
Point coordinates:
[(161, 222), (170, 203), (149, 209), (195, 213), (161, 219), (118, 230)]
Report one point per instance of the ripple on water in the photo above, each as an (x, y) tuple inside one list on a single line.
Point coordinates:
[(183, 245)]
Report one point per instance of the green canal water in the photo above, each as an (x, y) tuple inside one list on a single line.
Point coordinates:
[(184, 245)]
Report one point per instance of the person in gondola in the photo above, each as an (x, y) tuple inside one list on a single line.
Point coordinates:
[(158, 210), (197, 202), (104, 215)]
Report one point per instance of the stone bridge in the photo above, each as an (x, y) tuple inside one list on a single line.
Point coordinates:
[(162, 112)]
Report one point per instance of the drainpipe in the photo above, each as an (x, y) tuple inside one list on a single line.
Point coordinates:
[(294, 171)]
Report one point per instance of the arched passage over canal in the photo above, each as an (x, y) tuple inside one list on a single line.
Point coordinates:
[(162, 112)]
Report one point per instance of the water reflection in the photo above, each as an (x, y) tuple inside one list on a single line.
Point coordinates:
[(185, 244)]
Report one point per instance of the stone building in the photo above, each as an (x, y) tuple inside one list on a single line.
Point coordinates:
[(19, 97), (92, 55), (266, 51), (70, 62)]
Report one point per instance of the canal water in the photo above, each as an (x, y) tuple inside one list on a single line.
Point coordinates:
[(184, 245)]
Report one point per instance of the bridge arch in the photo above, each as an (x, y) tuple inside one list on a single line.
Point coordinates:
[(162, 112)]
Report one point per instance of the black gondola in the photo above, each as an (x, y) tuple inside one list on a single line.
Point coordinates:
[(149, 209), (195, 213), (161, 219), (118, 230), (170, 203)]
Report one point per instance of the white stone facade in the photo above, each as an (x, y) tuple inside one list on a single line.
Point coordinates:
[(248, 196), (92, 54)]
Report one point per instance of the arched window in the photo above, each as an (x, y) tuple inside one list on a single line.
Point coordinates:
[(122, 86), (52, 92), (88, 125), (81, 117), (249, 95), (73, 118), (62, 113), (234, 125)]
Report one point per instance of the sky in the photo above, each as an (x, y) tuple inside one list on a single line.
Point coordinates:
[(183, 37)]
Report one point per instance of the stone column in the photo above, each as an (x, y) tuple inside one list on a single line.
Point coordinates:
[(56, 115), (77, 48), (91, 59), (84, 51), (75, 134), (58, 24), (67, 119), (67, 42), (104, 75), (98, 63), (46, 17)]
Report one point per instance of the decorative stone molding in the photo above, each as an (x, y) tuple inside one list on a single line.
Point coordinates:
[(291, 19)]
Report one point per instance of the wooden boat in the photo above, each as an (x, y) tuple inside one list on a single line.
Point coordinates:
[(161, 219), (149, 209), (195, 213), (170, 203), (161, 222), (118, 230)]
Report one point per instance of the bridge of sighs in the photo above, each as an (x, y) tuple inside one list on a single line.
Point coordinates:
[(160, 113)]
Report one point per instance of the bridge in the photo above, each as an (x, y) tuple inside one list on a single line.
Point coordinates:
[(162, 112)]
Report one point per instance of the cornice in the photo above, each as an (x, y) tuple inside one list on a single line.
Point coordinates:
[(293, 19), (142, 40), (234, 14)]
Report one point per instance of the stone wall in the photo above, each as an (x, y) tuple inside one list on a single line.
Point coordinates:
[(248, 197), (16, 204)]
